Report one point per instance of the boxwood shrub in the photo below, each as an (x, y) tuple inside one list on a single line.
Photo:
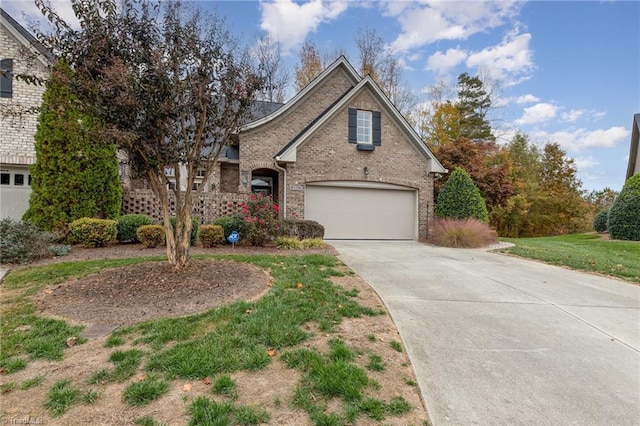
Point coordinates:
[(600, 221), (151, 235), (128, 225), (301, 229), (91, 232), (211, 235)]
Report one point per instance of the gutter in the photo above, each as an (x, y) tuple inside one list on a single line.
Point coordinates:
[(284, 186)]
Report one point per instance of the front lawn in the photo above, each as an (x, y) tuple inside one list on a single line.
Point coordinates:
[(584, 252), (317, 348)]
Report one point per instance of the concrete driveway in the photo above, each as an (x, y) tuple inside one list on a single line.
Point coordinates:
[(499, 340)]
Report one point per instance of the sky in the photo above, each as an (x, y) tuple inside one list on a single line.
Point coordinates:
[(565, 71)]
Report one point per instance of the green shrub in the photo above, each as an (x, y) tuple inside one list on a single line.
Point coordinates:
[(462, 233), (76, 170), (229, 224), (211, 235), (600, 221), (195, 225), (460, 198), (287, 243), (91, 232), (301, 229), (312, 243), (128, 225), (22, 242), (624, 214), (60, 249), (151, 236)]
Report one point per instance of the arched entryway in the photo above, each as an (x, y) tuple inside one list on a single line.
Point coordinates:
[(265, 181)]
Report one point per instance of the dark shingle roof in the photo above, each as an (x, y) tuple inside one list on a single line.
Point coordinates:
[(27, 35)]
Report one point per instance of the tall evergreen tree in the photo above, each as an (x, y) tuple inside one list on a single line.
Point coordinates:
[(473, 104), (76, 170)]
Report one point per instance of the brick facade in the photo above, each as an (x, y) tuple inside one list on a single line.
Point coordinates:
[(18, 118)]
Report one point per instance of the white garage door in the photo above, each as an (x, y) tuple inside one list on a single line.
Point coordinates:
[(362, 210)]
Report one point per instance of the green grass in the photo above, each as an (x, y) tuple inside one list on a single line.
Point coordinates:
[(224, 385), (396, 346), (584, 252), (32, 382), (337, 376), (145, 391), (61, 397), (375, 363), (126, 363), (205, 411), (23, 333), (211, 344), (148, 421)]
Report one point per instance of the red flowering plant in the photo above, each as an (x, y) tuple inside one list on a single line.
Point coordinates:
[(260, 214)]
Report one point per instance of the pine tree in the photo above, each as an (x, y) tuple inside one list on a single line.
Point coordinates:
[(460, 198), (76, 171)]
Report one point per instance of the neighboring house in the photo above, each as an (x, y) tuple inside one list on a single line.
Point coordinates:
[(634, 153), (20, 53), (339, 153)]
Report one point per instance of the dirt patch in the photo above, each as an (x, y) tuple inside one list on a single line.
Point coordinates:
[(152, 290)]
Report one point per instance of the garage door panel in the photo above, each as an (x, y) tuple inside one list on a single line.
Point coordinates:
[(362, 213)]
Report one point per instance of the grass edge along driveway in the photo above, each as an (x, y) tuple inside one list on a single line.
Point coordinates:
[(583, 252)]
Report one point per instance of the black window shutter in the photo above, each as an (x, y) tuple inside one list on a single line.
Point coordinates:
[(353, 125), (377, 128), (6, 78)]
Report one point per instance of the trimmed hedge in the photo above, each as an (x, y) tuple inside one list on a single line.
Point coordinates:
[(301, 229), (624, 214), (600, 221), (128, 225), (460, 198), (211, 235), (91, 232), (151, 235)]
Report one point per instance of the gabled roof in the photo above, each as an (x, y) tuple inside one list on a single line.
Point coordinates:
[(288, 153), (26, 38), (340, 62), (634, 167)]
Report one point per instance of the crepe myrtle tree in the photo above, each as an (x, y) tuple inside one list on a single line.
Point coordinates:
[(169, 85)]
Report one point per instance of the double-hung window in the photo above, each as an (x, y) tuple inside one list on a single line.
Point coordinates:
[(6, 78), (364, 127)]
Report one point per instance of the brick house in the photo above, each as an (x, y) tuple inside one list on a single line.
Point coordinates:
[(19, 53), (339, 153)]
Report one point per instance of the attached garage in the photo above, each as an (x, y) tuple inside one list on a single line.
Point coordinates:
[(363, 210)]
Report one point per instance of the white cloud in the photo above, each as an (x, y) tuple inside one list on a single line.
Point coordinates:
[(27, 13), (431, 20), (289, 23), (441, 63), (585, 162), (572, 116), (576, 140), (526, 99), (538, 113), (507, 60)]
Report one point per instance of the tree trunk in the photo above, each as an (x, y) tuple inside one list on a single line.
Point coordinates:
[(178, 240)]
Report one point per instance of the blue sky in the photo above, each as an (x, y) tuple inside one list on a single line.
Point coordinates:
[(567, 71)]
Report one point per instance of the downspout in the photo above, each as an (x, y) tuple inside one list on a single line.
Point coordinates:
[(284, 186)]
